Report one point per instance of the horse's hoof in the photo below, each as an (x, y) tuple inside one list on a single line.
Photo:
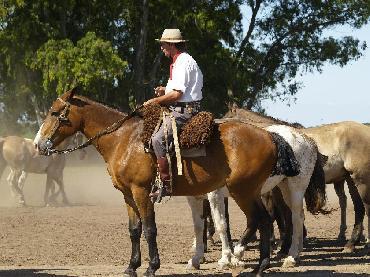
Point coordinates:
[(281, 255), (341, 237), (235, 262), (258, 270), (211, 241), (130, 272), (193, 265), (350, 248), (149, 273), (238, 251), (222, 266), (289, 262)]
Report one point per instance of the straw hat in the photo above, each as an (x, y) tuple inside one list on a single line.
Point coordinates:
[(171, 36)]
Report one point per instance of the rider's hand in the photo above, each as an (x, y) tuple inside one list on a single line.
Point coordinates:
[(159, 91)]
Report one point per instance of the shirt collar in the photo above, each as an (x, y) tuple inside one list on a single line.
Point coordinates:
[(174, 58)]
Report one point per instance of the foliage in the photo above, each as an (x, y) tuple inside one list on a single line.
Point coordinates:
[(90, 62), (109, 48)]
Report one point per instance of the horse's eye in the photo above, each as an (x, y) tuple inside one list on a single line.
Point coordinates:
[(54, 113)]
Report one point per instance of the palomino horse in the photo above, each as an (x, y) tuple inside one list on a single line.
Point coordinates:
[(22, 157), (293, 189), (246, 156), (347, 145)]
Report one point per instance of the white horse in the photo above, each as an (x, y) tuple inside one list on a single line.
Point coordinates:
[(293, 190), (21, 156)]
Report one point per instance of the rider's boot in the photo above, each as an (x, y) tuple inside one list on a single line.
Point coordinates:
[(165, 189)]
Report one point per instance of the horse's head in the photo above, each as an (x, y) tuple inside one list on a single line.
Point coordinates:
[(61, 122)]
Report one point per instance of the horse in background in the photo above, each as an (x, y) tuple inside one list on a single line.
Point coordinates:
[(23, 158), (118, 138), (347, 145)]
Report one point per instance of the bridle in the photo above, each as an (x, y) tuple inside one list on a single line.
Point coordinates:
[(62, 117)]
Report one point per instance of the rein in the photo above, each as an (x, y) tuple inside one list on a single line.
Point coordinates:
[(108, 130)]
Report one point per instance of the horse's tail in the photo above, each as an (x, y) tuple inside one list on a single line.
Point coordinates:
[(315, 195), (286, 163), (2, 160)]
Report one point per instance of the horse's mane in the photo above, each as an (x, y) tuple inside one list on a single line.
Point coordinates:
[(94, 102), (254, 117)]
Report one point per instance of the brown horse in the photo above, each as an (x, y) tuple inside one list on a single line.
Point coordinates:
[(347, 145), (246, 156)]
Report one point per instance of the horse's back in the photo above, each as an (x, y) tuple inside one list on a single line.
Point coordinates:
[(20, 154), (347, 144)]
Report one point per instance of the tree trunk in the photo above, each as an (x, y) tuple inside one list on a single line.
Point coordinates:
[(139, 65)]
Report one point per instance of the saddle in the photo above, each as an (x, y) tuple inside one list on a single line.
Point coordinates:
[(193, 136)]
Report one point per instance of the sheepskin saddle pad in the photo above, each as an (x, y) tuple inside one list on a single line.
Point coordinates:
[(195, 133)]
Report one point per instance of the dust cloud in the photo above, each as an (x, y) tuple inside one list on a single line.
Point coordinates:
[(86, 182)]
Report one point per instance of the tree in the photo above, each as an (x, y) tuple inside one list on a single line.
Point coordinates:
[(109, 48), (286, 38)]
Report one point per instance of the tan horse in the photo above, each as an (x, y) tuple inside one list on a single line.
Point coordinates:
[(347, 145), (22, 157), (246, 156)]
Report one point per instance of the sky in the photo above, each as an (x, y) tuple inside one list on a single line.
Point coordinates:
[(337, 94)]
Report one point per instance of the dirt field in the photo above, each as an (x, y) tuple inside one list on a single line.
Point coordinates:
[(90, 238)]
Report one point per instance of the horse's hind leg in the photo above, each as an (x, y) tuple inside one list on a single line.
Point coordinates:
[(257, 217), (135, 229), (339, 190), (196, 205), (293, 197), (264, 228), (60, 183), (22, 180), (248, 236), (367, 244), (359, 216)]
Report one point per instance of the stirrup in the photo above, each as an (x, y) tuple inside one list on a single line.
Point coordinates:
[(156, 196), (158, 193)]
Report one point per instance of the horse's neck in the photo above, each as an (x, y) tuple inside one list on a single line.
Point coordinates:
[(99, 118)]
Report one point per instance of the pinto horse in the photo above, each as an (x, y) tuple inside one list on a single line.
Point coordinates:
[(246, 156)]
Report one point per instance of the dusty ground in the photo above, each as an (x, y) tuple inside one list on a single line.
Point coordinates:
[(90, 238)]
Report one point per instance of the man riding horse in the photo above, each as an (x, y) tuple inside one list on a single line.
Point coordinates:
[(182, 95)]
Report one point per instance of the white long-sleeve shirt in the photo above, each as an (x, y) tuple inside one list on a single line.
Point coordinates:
[(186, 77)]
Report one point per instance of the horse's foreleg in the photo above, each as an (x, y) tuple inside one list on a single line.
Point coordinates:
[(359, 216), (16, 192), (217, 204), (196, 205), (135, 229), (339, 190), (147, 215)]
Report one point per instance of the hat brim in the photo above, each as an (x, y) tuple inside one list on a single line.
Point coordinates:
[(171, 40)]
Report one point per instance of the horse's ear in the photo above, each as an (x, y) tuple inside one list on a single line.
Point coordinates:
[(71, 93), (232, 106)]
